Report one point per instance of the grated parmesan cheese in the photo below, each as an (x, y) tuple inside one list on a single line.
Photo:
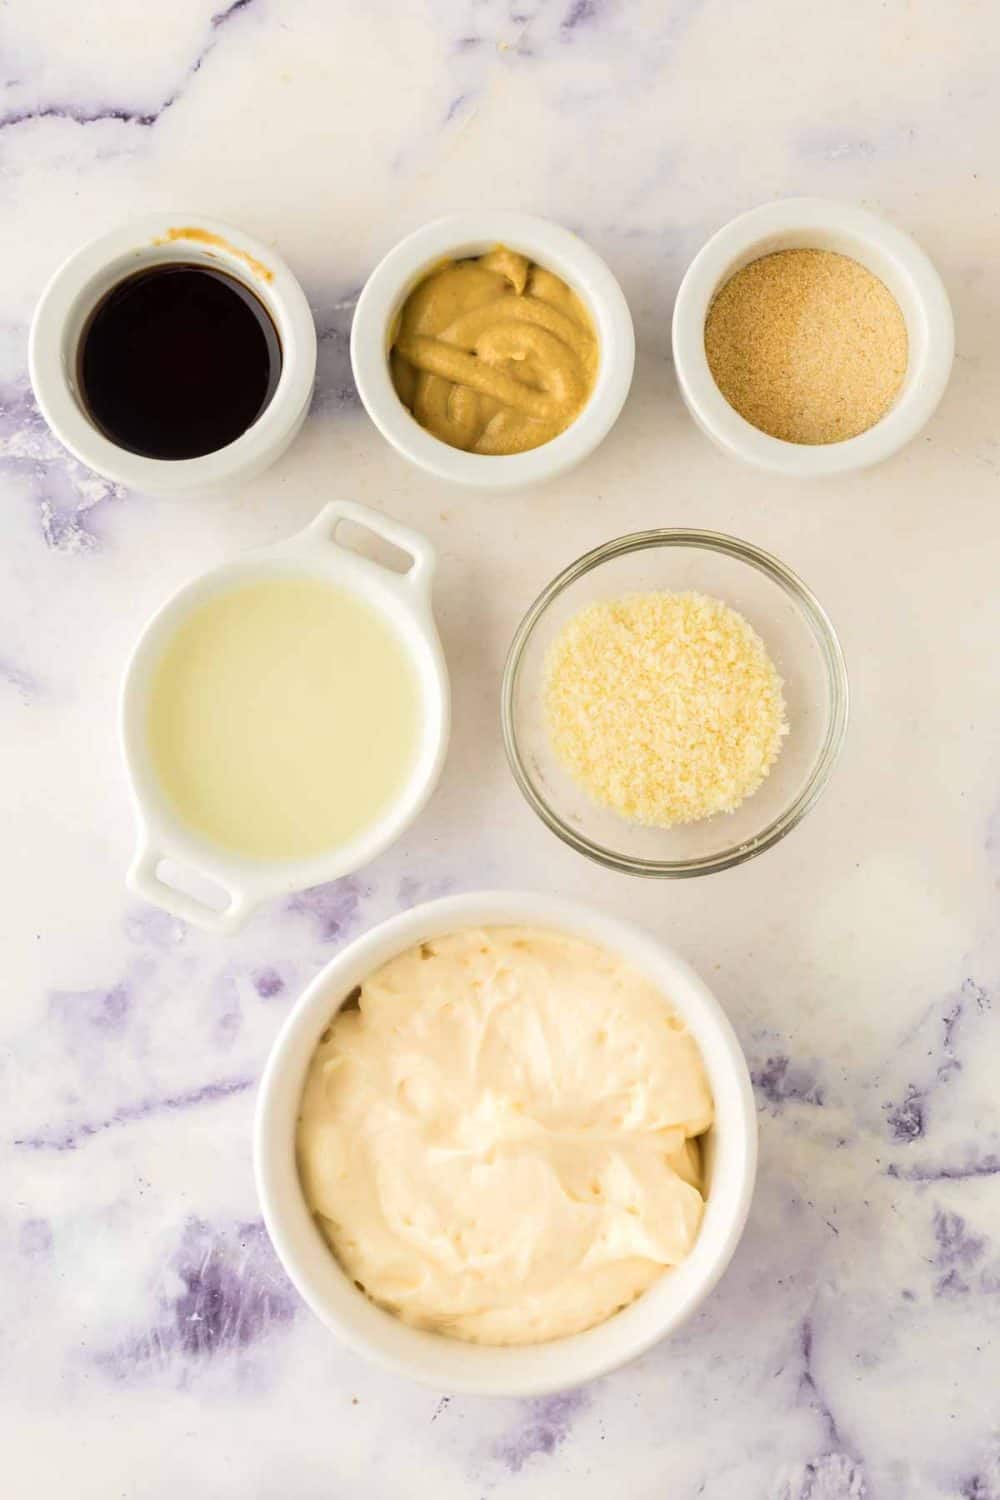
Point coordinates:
[(665, 707)]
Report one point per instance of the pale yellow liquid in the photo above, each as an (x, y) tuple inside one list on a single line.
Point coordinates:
[(284, 717)]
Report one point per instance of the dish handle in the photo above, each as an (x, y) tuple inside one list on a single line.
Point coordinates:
[(144, 879), (418, 577)]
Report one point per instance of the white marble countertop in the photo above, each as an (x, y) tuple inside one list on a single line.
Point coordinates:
[(151, 1344)]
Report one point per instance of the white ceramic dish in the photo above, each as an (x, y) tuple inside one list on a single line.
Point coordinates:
[(449, 1364), (816, 224), (176, 868), (68, 300), (469, 234)]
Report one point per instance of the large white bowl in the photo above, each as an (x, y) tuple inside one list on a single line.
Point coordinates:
[(453, 238), (449, 1364)]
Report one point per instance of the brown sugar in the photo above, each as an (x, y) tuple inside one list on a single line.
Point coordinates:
[(807, 345)]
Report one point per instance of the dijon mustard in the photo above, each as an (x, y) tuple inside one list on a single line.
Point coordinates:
[(494, 354)]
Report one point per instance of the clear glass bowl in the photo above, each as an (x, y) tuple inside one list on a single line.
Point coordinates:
[(800, 640)]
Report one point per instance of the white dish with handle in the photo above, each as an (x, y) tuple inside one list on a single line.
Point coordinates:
[(214, 887)]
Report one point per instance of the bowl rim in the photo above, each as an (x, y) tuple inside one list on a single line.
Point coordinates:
[(471, 233), (806, 216), (837, 680), (482, 1369)]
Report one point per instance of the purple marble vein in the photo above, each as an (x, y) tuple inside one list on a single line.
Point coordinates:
[(907, 1117), (835, 1473), (70, 1137), (143, 118), (69, 497), (220, 1291), (580, 13), (984, 1483), (809, 1388), (983, 1166), (19, 679), (546, 1425), (780, 1081), (333, 907), (958, 1255), (831, 1476), (268, 983)]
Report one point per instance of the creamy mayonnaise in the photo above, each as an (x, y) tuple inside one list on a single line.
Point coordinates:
[(499, 1140)]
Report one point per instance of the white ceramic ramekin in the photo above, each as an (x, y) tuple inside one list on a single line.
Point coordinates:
[(449, 1364), (816, 224), (71, 296), (470, 234), (175, 867)]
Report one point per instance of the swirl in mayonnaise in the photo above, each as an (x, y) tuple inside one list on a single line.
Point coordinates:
[(500, 1139)]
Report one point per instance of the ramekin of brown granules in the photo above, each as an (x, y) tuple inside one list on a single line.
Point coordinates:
[(812, 337)]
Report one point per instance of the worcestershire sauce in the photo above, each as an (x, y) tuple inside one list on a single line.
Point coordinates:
[(178, 361)]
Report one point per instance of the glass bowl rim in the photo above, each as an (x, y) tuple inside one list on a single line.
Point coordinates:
[(836, 678)]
